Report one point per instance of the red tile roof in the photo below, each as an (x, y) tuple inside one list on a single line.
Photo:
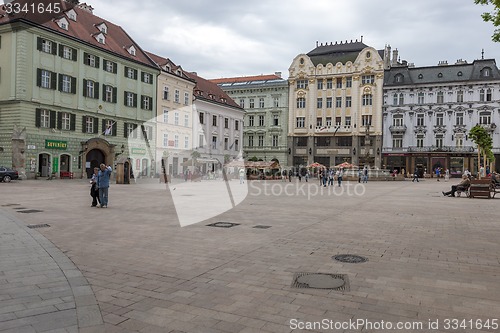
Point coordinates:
[(210, 91), (246, 78), (160, 61), (84, 29)]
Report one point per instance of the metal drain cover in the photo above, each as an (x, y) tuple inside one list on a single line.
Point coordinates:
[(262, 227), (36, 226), (223, 224), (321, 281), (350, 258), (29, 211)]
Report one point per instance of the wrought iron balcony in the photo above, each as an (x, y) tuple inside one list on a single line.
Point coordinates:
[(397, 128)]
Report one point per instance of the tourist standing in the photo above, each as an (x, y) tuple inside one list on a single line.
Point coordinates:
[(103, 183)]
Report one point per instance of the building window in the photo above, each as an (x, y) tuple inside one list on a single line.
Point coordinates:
[(236, 145), (485, 118), (176, 118), (348, 121), (46, 79), (47, 46), (109, 94), (320, 84), (397, 141), (90, 89), (242, 103), (89, 125), (339, 83), (67, 53), (328, 121), (319, 103), (165, 93), (176, 96), (66, 121), (397, 120), (460, 96), (420, 119), (186, 120), (45, 118), (440, 97), (329, 102), (366, 120), (301, 122), (226, 143), (66, 83), (176, 141), (302, 84), (276, 102), (420, 98), (348, 101), (348, 82), (261, 141), (261, 120), (301, 103), (459, 118), (275, 141), (214, 142), (131, 73), (165, 139), (395, 99), (338, 102), (110, 66), (236, 125), (202, 118), (252, 103), (226, 122), (261, 103), (186, 142), (401, 99), (481, 95), (147, 78), (276, 120), (488, 95), (301, 141), (250, 140), (329, 83), (250, 121), (439, 119), (214, 120), (186, 98), (367, 100), (165, 116), (130, 99), (338, 121), (459, 140), (367, 79), (201, 140), (91, 60), (146, 103), (439, 141), (319, 121), (420, 141)]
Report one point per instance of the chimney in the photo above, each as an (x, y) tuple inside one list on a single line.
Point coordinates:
[(394, 57), (87, 8), (278, 74), (387, 57)]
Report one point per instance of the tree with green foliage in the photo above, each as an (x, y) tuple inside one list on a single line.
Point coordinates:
[(493, 17), (484, 142)]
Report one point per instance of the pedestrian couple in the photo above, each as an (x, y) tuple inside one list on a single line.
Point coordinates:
[(100, 185)]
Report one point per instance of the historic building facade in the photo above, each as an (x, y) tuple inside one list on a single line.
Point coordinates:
[(265, 100), (217, 127), (429, 111), (174, 117), (73, 89), (335, 105)]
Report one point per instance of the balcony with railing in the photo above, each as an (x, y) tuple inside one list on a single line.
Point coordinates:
[(333, 129), (397, 128)]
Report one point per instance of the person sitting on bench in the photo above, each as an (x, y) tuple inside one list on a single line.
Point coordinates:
[(462, 186), (495, 179)]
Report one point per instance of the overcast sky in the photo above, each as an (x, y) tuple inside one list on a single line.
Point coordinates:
[(226, 38)]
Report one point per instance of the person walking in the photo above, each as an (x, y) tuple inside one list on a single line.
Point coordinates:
[(365, 175), (103, 184), (340, 174), (438, 173), (94, 190), (415, 176), (242, 176)]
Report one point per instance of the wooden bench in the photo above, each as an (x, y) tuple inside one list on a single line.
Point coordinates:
[(480, 188), (66, 174), (495, 188)]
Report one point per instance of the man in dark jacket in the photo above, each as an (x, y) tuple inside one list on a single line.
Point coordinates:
[(463, 185)]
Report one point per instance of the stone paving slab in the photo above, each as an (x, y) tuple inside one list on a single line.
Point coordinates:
[(429, 257)]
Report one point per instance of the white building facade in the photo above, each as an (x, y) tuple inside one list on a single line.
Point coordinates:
[(429, 111)]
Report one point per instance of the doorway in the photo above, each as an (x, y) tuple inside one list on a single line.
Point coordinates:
[(94, 159), (44, 165), (65, 163)]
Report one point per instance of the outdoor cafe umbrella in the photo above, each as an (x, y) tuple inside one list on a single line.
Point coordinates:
[(316, 165), (346, 165)]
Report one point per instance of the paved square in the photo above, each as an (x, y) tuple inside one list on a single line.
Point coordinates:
[(132, 268)]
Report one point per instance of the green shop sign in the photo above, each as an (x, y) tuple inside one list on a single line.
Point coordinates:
[(55, 144), (138, 151)]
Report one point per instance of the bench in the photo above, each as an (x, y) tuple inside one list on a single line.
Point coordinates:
[(495, 188), (66, 174), (481, 188)]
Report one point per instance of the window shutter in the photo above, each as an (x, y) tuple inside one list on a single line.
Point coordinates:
[(61, 50), (142, 102), (115, 125), (73, 85), (135, 74), (150, 103), (53, 119), (125, 130), (73, 122), (74, 54), (135, 100), (103, 128), (38, 77), (104, 91), (96, 90), (39, 43), (60, 82), (96, 125), (125, 70), (85, 58), (53, 81), (142, 77), (59, 120), (115, 68), (84, 88), (38, 121), (114, 94), (125, 98), (54, 48), (84, 124), (104, 64), (97, 61)]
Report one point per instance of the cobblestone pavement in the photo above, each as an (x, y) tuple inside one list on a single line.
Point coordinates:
[(430, 258)]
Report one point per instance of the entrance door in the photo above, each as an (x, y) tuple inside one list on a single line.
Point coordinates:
[(144, 167), (94, 157), (65, 161), (44, 164)]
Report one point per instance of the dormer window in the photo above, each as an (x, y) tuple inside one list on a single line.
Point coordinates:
[(132, 50), (101, 38), (63, 23), (398, 78), (179, 72), (71, 14), (103, 28), (486, 72), (167, 68)]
